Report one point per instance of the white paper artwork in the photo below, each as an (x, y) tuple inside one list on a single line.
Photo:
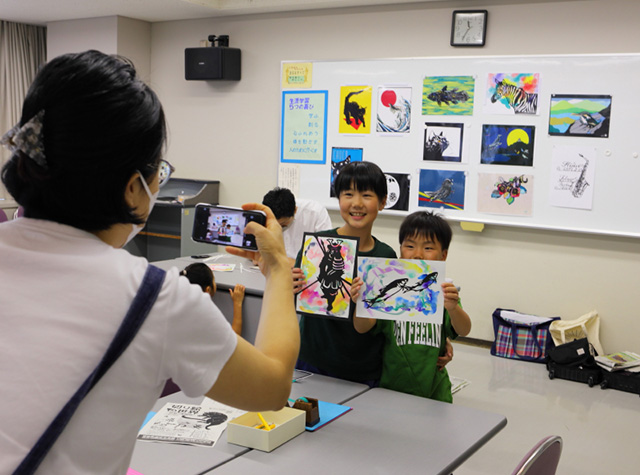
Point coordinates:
[(572, 177)]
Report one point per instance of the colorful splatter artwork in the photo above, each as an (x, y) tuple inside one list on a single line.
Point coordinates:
[(512, 93), (329, 265), (401, 289), (448, 95), (505, 194)]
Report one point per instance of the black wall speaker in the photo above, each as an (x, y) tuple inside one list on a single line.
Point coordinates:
[(212, 63)]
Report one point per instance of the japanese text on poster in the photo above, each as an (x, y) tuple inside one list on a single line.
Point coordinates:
[(304, 125)]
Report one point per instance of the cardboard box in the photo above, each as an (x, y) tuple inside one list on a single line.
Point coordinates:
[(243, 430)]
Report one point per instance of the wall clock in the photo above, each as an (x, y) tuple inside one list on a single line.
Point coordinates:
[(469, 27)]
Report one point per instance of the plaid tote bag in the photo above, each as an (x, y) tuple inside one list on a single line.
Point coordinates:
[(520, 336)]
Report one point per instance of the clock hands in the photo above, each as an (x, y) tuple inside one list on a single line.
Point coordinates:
[(467, 30)]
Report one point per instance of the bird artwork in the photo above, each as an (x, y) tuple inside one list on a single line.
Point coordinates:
[(442, 193), (588, 120)]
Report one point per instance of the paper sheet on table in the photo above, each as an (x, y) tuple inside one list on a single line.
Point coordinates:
[(191, 424), (457, 384), (222, 267)]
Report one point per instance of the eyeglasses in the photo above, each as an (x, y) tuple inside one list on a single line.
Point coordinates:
[(165, 171)]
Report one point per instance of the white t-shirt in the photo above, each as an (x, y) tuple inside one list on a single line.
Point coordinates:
[(64, 294), (310, 217)]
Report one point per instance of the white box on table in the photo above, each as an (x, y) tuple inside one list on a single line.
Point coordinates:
[(242, 430)]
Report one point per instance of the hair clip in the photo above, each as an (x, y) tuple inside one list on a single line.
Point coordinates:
[(27, 139)]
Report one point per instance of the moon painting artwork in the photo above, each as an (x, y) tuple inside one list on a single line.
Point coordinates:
[(507, 145)]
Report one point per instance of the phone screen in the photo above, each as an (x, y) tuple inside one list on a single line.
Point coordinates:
[(225, 226)]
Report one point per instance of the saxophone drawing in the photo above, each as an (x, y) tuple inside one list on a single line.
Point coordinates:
[(581, 183)]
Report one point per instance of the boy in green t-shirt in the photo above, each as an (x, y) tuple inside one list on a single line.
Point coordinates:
[(411, 350)]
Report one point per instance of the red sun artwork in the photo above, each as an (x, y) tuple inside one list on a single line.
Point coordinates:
[(388, 98)]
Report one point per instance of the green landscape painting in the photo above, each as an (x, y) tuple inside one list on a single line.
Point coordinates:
[(580, 115)]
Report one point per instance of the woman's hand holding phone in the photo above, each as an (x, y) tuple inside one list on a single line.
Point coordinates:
[(269, 239)]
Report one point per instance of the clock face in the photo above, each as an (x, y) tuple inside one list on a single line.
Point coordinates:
[(468, 28)]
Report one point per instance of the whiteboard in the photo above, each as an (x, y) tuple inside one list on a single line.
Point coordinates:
[(613, 206)]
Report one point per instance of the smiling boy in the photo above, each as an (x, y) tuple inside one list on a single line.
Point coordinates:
[(412, 350), (333, 347)]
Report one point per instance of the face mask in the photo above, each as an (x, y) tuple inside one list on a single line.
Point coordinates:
[(152, 201)]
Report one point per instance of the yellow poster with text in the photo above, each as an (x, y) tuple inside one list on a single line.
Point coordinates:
[(296, 75), (356, 110)]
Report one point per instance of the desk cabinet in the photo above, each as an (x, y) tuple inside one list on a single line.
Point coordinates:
[(167, 234)]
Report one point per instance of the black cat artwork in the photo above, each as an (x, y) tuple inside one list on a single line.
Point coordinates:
[(335, 171), (353, 112)]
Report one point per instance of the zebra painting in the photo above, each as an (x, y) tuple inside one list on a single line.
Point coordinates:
[(520, 101)]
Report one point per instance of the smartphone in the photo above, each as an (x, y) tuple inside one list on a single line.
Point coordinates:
[(224, 225)]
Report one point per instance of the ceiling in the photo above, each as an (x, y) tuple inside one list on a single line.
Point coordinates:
[(40, 12)]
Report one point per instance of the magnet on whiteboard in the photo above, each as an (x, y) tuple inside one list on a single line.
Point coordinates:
[(635, 155), (468, 226), (607, 153)]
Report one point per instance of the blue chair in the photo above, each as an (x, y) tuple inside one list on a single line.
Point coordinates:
[(542, 459)]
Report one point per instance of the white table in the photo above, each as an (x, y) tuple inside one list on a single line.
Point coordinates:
[(386, 432), (150, 458)]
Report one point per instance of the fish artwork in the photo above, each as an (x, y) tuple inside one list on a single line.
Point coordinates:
[(453, 96), (401, 289)]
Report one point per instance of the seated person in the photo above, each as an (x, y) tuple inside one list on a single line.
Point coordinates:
[(296, 217), (201, 274)]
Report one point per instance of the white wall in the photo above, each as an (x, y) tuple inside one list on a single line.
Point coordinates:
[(112, 35), (134, 42), (229, 131), (72, 36)]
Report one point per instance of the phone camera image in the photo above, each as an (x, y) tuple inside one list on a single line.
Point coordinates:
[(224, 226)]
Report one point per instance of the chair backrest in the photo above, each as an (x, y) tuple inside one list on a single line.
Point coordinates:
[(542, 459), (19, 212), (3, 216)]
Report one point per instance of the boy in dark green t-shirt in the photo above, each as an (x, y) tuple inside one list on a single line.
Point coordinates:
[(333, 347)]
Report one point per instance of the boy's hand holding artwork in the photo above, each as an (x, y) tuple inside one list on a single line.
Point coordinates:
[(459, 318), (451, 296), (447, 357), (361, 324), (298, 279)]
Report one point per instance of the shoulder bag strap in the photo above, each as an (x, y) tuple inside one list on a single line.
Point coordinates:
[(140, 307), (534, 336)]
